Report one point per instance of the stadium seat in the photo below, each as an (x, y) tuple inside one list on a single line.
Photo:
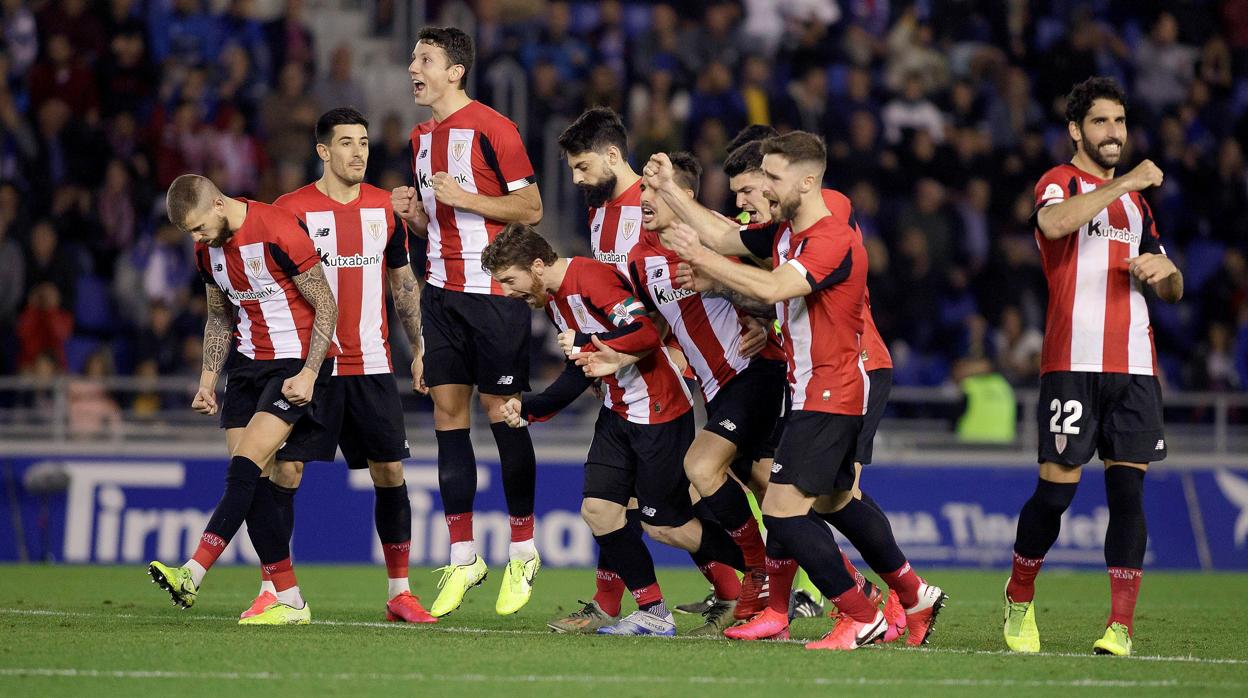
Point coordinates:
[(93, 310)]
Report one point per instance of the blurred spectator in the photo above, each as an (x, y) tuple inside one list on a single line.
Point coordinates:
[(80, 23), (147, 401), (167, 268), (127, 77), (289, 117), (389, 149), (290, 40), (50, 262), (12, 291), (183, 144), (1163, 66), (240, 85), (236, 156), (911, 56), (92, 411), (716, 97), (241, 29), (156, 341), (608, 40), (804, 106), (713, 40), (1219, 372), (1017, 348), (184, 30), (658, 92), (63, 75), (115, 205), (556, 46), (19, 145), (340, 88), (912, 111), (44, 326), (658, 47), (21, 41)]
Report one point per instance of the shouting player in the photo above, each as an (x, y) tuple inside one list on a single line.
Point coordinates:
[(472, 177), (1098, 375), (260, 259), (362, 249)]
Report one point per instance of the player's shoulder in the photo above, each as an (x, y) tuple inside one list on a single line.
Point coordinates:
[(1061, 174), (590, 274), (422, 128), (294, 200), (275, 220), (487, 119), (837, 203)]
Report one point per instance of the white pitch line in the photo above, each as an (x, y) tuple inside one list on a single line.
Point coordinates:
[(465, 630), (42, 672)]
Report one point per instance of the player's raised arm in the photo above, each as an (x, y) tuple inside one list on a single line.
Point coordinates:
[(216, 349), (721, 234), (1059, 216), (409, 209), (770, 287), (315, 288)]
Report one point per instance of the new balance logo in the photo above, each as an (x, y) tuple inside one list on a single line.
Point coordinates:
[(218, 267), (282, 405), (658, 273), (506, 380), (320, 233), (423, 153), (648, 512), (775, 467), (727, 424), (1161, 445)]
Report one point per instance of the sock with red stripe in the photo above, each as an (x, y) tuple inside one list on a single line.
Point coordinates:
[(609, 588), (631, 560), (859, 580), (519, 468), (905, 582), (722, 578), (284, 500), (717, 546), (392, 514), (282, 573), (1039, 524), (457, 485), (1126, 539), (870, 532), (732, 510), (241, 480), (781, 569), (812, 544)]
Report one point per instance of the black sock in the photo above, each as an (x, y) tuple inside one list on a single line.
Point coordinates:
[(866, 499), (269, 536), (240, 488), (868, 530), (718, 546), (284, 500), (702, 510), (809, 540), (457, 471), (392, 514), (1041, 518), (730, 506), (1127, 535), (519, 466), (629, 558), (633, 519)]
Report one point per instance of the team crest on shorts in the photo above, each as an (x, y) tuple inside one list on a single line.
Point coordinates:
[(1060, 441)]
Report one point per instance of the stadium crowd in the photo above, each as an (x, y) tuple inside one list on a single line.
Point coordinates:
[(939, 115)]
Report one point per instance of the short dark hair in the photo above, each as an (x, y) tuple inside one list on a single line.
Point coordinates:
[(342, 116), (688, 171), (798, 146), (1082, 95), (517, 246), (597, 129), (188, 193), (747, 158), (753, 132), (455, 42)]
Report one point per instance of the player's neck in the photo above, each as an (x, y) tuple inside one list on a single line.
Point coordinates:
[(1085, 163), (555, 272), (338, 190), (624, 181), (451, 102), (235, 213), (811, 211), (664, 238)]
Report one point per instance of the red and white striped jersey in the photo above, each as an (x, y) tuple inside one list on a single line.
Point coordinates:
[(482, 151), (357, 242), (254, 269), (874, 350), (615, 227), (707, 327), (822, 330), (1097, 319), (595, 299)]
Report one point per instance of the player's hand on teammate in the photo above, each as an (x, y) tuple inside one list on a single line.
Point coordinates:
[(418, 374), (1144, 175), (604, 361), (298, 388), (448, 191), (511, 414), (689, 279), (753, 337), (406, 206), (1151, 268), (658, 171), (685, 242), (567, 342), (205, 401)]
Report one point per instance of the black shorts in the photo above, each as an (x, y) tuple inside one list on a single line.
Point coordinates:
[(1116, 415), (646, 461), (475, 339), (816, 453), (746, 409), (365, 419), (877, 400), (256, 386)]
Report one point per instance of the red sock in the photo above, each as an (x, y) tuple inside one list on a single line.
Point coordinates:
[(1124, 587), (859, 580), (780, 574), (397, 555), (460, 526), (521, 528), (724, 579), (750, 540), (210, 548), (647, 595), (264, 574), (906, 583), (853, 604), (282, 574), (1022, 585), (610, 591)]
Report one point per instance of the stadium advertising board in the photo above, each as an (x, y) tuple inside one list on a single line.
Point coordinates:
[(129, 511)]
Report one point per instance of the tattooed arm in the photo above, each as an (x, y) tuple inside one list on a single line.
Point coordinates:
[(406, 292), (216, 348), (751, 306), (314, 287)]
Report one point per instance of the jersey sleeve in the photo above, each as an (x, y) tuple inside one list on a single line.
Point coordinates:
[(396, 246), (1150, 241), (759, 238), (1054, 187), (291, 246), (637, 276), (824, 259), (504, 153), (634, 331), (563, 391), (203, 265)]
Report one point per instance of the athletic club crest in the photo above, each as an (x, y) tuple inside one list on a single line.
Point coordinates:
[(580, 315), (1060, 441), (457, 149), (630, 229), (374, 229), (255, 264)]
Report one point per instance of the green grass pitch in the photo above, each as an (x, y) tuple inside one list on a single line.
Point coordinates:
[(108, 631)]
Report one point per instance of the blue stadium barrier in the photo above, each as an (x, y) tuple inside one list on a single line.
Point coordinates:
[(120, 510)]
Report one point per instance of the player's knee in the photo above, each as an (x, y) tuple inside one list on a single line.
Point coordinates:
[(286, 473), (1054, 497), (386, 474), (705, 476), (602, 516), (1124, 488), (493, 406)]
